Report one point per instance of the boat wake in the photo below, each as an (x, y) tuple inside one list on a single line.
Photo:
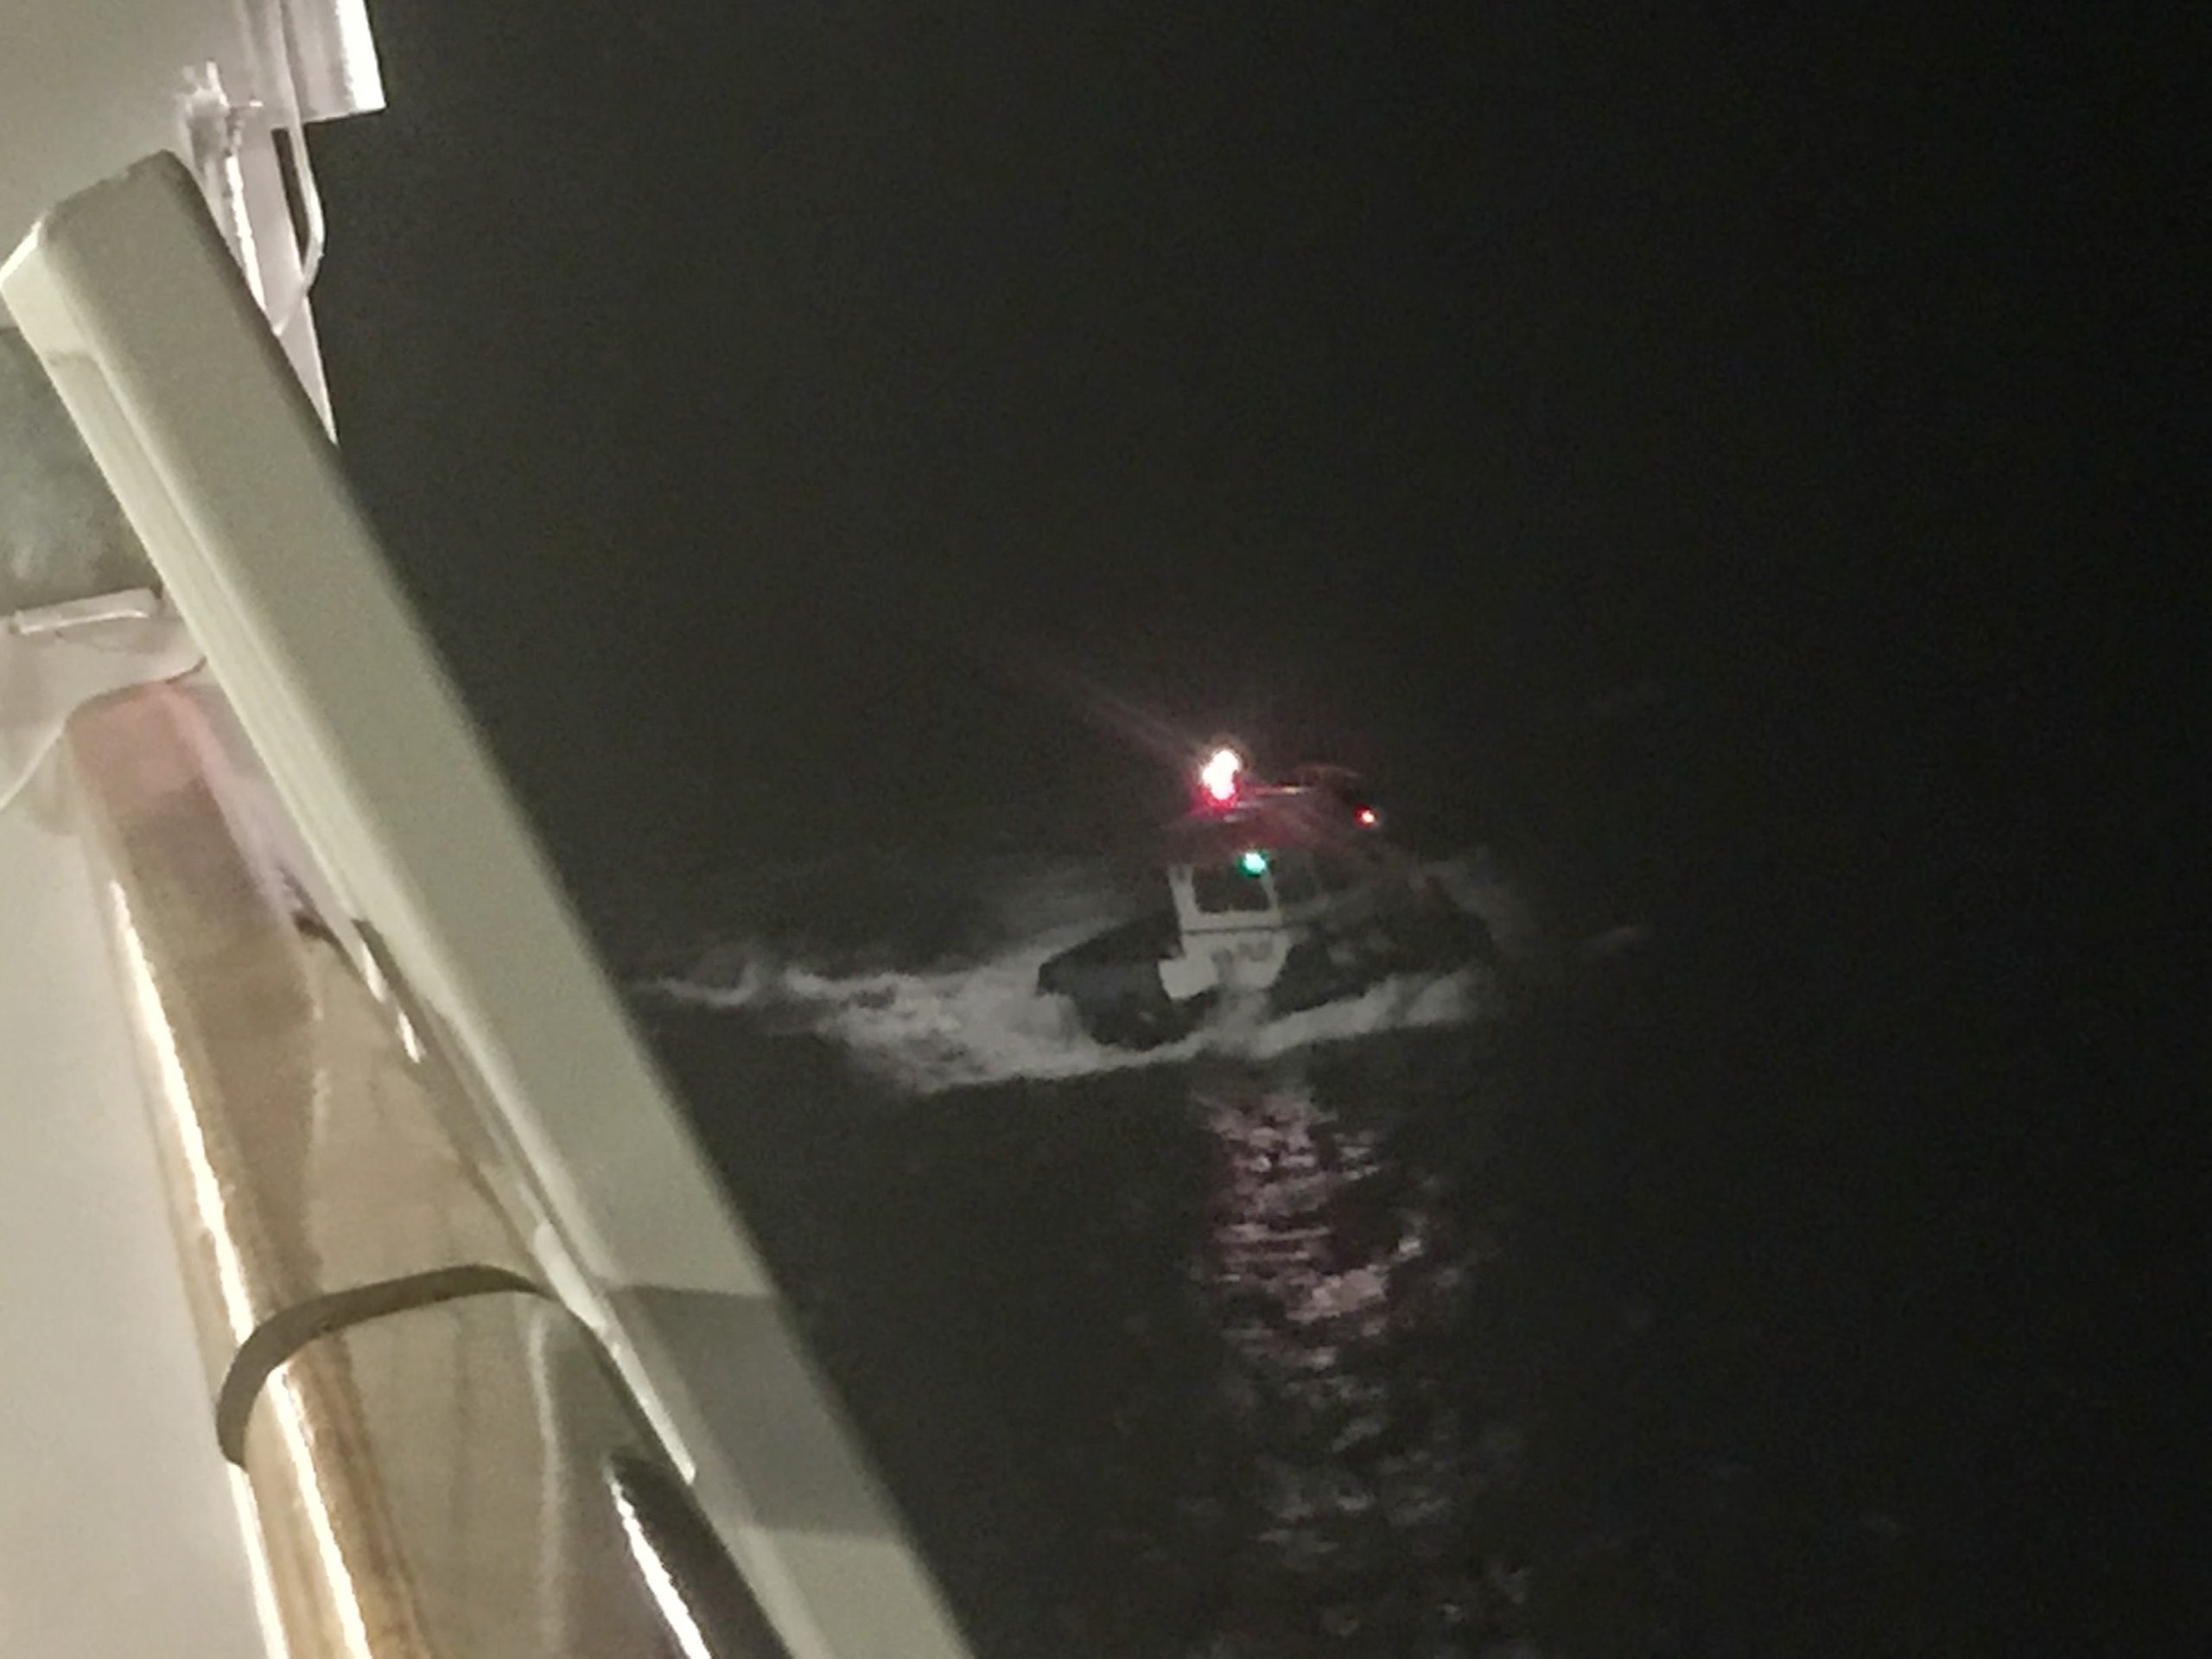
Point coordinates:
[(962, 1025)]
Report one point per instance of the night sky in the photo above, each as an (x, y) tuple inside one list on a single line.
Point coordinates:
[(765, 392), (1724, 451)]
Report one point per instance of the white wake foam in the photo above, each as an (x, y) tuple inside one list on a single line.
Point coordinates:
[(959, 1026)]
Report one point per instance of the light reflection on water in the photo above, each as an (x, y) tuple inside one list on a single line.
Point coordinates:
[(1548, 1327), (1169, 1363), (1332, 1271)]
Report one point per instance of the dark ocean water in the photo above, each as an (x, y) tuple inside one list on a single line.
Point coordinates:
[(1769, 1281), (1668, 450), (1623, 1318)]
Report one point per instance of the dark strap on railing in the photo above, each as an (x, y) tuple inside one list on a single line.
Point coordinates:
[(283, 1334)]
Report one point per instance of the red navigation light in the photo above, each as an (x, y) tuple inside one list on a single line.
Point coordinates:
[(1365, 818), (1219, 776)]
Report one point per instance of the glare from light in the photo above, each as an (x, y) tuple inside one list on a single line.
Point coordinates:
[(1218, 775), (216, 1225), (1366, 817), (267, 1610), (300, 1436), (667, 1595), (211, 1209)]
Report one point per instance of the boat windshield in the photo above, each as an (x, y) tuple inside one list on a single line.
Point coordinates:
[(1221, 888)]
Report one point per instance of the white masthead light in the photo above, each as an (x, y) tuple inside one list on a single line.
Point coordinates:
[(1219, 776)]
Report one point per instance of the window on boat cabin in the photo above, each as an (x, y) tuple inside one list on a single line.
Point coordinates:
[(1219, 887), (1296, 882)]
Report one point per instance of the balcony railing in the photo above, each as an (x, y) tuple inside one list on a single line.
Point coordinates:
[(441, 1461)]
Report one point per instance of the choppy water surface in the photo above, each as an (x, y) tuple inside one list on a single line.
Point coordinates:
[(1456, 1321)]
